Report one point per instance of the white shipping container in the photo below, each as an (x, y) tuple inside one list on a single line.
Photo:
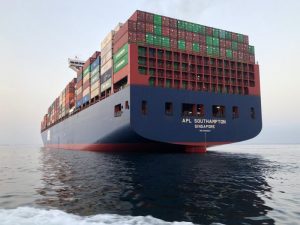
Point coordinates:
[(108, 38), (107, 66), (95, 86), (106, 57), (87, 77), (95, 92), (106, 48), (86, 91)]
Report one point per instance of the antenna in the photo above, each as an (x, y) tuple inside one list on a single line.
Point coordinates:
[(75, 63)]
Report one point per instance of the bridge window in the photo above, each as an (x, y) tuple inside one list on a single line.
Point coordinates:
[(118, 110), (218, 111), (126, 105), (188, 109), (252, 112), (235, 112), (200, 110), (144, 107), (169, 108)]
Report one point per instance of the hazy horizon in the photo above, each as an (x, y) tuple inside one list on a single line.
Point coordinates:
[(37, 38)]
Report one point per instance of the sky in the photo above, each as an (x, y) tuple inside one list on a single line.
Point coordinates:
[(37, 37)]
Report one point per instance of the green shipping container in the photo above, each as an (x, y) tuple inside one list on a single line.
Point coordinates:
[(157, 29), (181, 44), (121, 63), (181, 24), (215, 51), (197, 28), (222, 34), (209, 50), (251, 49), (165, 42), (234, 45), (216, 32), (228, 35), (209, 40), (189, 26), (157, 20), (157, 40), (196, 47), (149, 39), (121, 52), (215, 42), (229, 53), (240, 38), (87, 70)]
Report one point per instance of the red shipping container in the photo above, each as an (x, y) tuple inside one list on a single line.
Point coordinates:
[(141, 37), (228, 44), (165, 21), (131, 37), (245, 48), (149, 18), (120, 42), (189, 36), (173, 33), (196, 38), (240, 56), (149, 28), (131, 25), (240, 46), (138, 16), (246, 57), (173, 23), (251, 59), (223, 52), (234, 36), (234, 54), (96, 54), (246, 40), (140, 27), (166, 31), (181, 35), (222, 43), (209, 31), (173, 43), (128, 26), (189, 46), (203, 49), (202, 39)]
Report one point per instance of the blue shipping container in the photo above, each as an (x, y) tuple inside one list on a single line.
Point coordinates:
[(95, 63), (78, 103), (86, 98)]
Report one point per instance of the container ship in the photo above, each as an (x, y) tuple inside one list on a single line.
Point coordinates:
[(159, 83)]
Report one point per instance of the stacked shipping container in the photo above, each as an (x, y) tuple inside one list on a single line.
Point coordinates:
[(173, 52), (106, 61), (168, 33)]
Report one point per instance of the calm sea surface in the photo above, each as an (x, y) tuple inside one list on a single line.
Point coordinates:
[(234, 184)]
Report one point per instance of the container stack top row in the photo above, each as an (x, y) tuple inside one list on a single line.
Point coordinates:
[(169, 33)]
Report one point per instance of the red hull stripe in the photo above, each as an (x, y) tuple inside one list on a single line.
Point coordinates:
[(183, 146)]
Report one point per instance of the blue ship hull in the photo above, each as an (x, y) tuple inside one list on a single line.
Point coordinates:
[(98, 128)]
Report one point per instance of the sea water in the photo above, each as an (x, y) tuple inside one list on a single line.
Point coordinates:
[(233, 184)]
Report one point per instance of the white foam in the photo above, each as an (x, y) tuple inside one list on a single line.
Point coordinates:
[(34, 216)]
